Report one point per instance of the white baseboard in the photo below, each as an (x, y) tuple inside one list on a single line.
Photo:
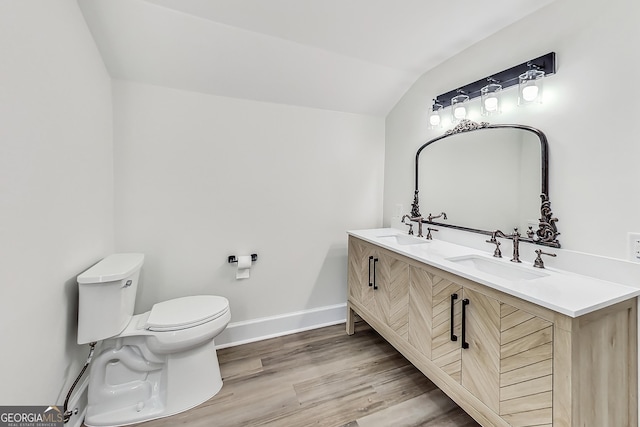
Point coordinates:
[(79, 402), (263, 328)]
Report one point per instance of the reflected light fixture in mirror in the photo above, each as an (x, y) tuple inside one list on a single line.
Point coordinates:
[(490, 95), (435, 118), (459, 107), (530, 87)]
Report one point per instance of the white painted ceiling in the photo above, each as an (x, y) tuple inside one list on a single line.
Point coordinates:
[(356, 56)]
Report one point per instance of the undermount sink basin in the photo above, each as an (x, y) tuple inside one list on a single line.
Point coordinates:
[(497, 268), (403, 239)]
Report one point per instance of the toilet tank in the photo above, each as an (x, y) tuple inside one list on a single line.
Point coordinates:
[(107, 296)]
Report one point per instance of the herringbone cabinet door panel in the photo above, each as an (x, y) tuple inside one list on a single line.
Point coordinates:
[(420, 310), (398, 291), (481, 361), (444, 352), (526, 377), (358, 269)]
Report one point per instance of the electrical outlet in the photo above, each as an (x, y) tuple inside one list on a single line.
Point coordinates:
[(634, 247)]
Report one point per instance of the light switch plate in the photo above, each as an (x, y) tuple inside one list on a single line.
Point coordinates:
[(634, 247)]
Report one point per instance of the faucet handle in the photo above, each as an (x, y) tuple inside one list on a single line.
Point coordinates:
[(496, 253), (410, 229), (429, 230), (538, 263), (409, 224)]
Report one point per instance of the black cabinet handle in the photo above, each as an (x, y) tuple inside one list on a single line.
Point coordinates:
[(454, 297), (465, 303), (370, 282), (375, 285)]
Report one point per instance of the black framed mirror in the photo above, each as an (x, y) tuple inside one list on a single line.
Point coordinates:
[(487, 177)]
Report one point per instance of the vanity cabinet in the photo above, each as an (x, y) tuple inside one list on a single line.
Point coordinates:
[(491, 359), (515, 363), (379, 281)]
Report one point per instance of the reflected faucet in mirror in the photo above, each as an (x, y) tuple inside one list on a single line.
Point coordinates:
[(442, 215), (515, 237)]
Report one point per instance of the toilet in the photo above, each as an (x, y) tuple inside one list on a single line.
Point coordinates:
[(148, 365)]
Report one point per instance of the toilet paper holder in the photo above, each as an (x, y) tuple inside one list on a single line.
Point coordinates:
[(232, 258)]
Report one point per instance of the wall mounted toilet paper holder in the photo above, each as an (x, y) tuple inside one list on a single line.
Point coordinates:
[(232, 258)]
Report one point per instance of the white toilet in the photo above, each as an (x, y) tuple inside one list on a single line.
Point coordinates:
[(153, 364)]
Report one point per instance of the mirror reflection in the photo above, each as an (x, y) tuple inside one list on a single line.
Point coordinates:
[(483, 180), (487, 177)]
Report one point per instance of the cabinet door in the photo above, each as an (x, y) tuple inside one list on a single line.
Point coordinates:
[(380, 282), (481, 359), (477, 366), (507, 364), (392, 293), (360, 273), (526, 368), (445, 352), (420, 310)]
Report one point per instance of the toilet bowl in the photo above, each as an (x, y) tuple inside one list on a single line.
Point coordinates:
[(150, 365)]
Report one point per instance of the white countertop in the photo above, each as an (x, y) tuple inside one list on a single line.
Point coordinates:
[(562, 291)]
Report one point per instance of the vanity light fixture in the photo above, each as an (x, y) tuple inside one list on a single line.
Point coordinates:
[(530, 86), (435, 119), (490, 95), (459, 107), (528, 76)]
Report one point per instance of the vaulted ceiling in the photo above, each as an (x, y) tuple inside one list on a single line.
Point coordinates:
[(356, 56)]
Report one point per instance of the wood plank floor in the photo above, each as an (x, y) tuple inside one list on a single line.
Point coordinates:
[(322, 377)]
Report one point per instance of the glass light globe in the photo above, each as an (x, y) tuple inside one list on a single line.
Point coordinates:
[(491, 104), (459, 107), (530, 87), (434, 115), (490, 96), (460, 112), (530, 93)]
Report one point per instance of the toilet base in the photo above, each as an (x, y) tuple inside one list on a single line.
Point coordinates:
[(183, 381)]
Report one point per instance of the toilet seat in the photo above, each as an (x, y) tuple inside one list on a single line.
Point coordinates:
[(185, 312)]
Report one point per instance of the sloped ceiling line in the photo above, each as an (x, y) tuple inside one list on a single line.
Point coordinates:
[(357, 56)]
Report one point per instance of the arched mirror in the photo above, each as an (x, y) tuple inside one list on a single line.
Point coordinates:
[(487, 177)]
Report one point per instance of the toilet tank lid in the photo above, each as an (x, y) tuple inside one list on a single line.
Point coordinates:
[(112, 268)]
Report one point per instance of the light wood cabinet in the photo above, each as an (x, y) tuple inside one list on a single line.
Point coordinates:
[(526, 368), (480, 347), (379, 281), (524, 365), (421, 310), (493, 354)]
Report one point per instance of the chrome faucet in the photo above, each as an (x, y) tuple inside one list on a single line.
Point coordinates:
[(516, 246), (431, 217), (516, 242), (417, 219), (410, 225)]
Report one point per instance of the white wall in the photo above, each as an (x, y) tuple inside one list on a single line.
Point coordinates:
[(56, 191), (201, 177), (588, 116)]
